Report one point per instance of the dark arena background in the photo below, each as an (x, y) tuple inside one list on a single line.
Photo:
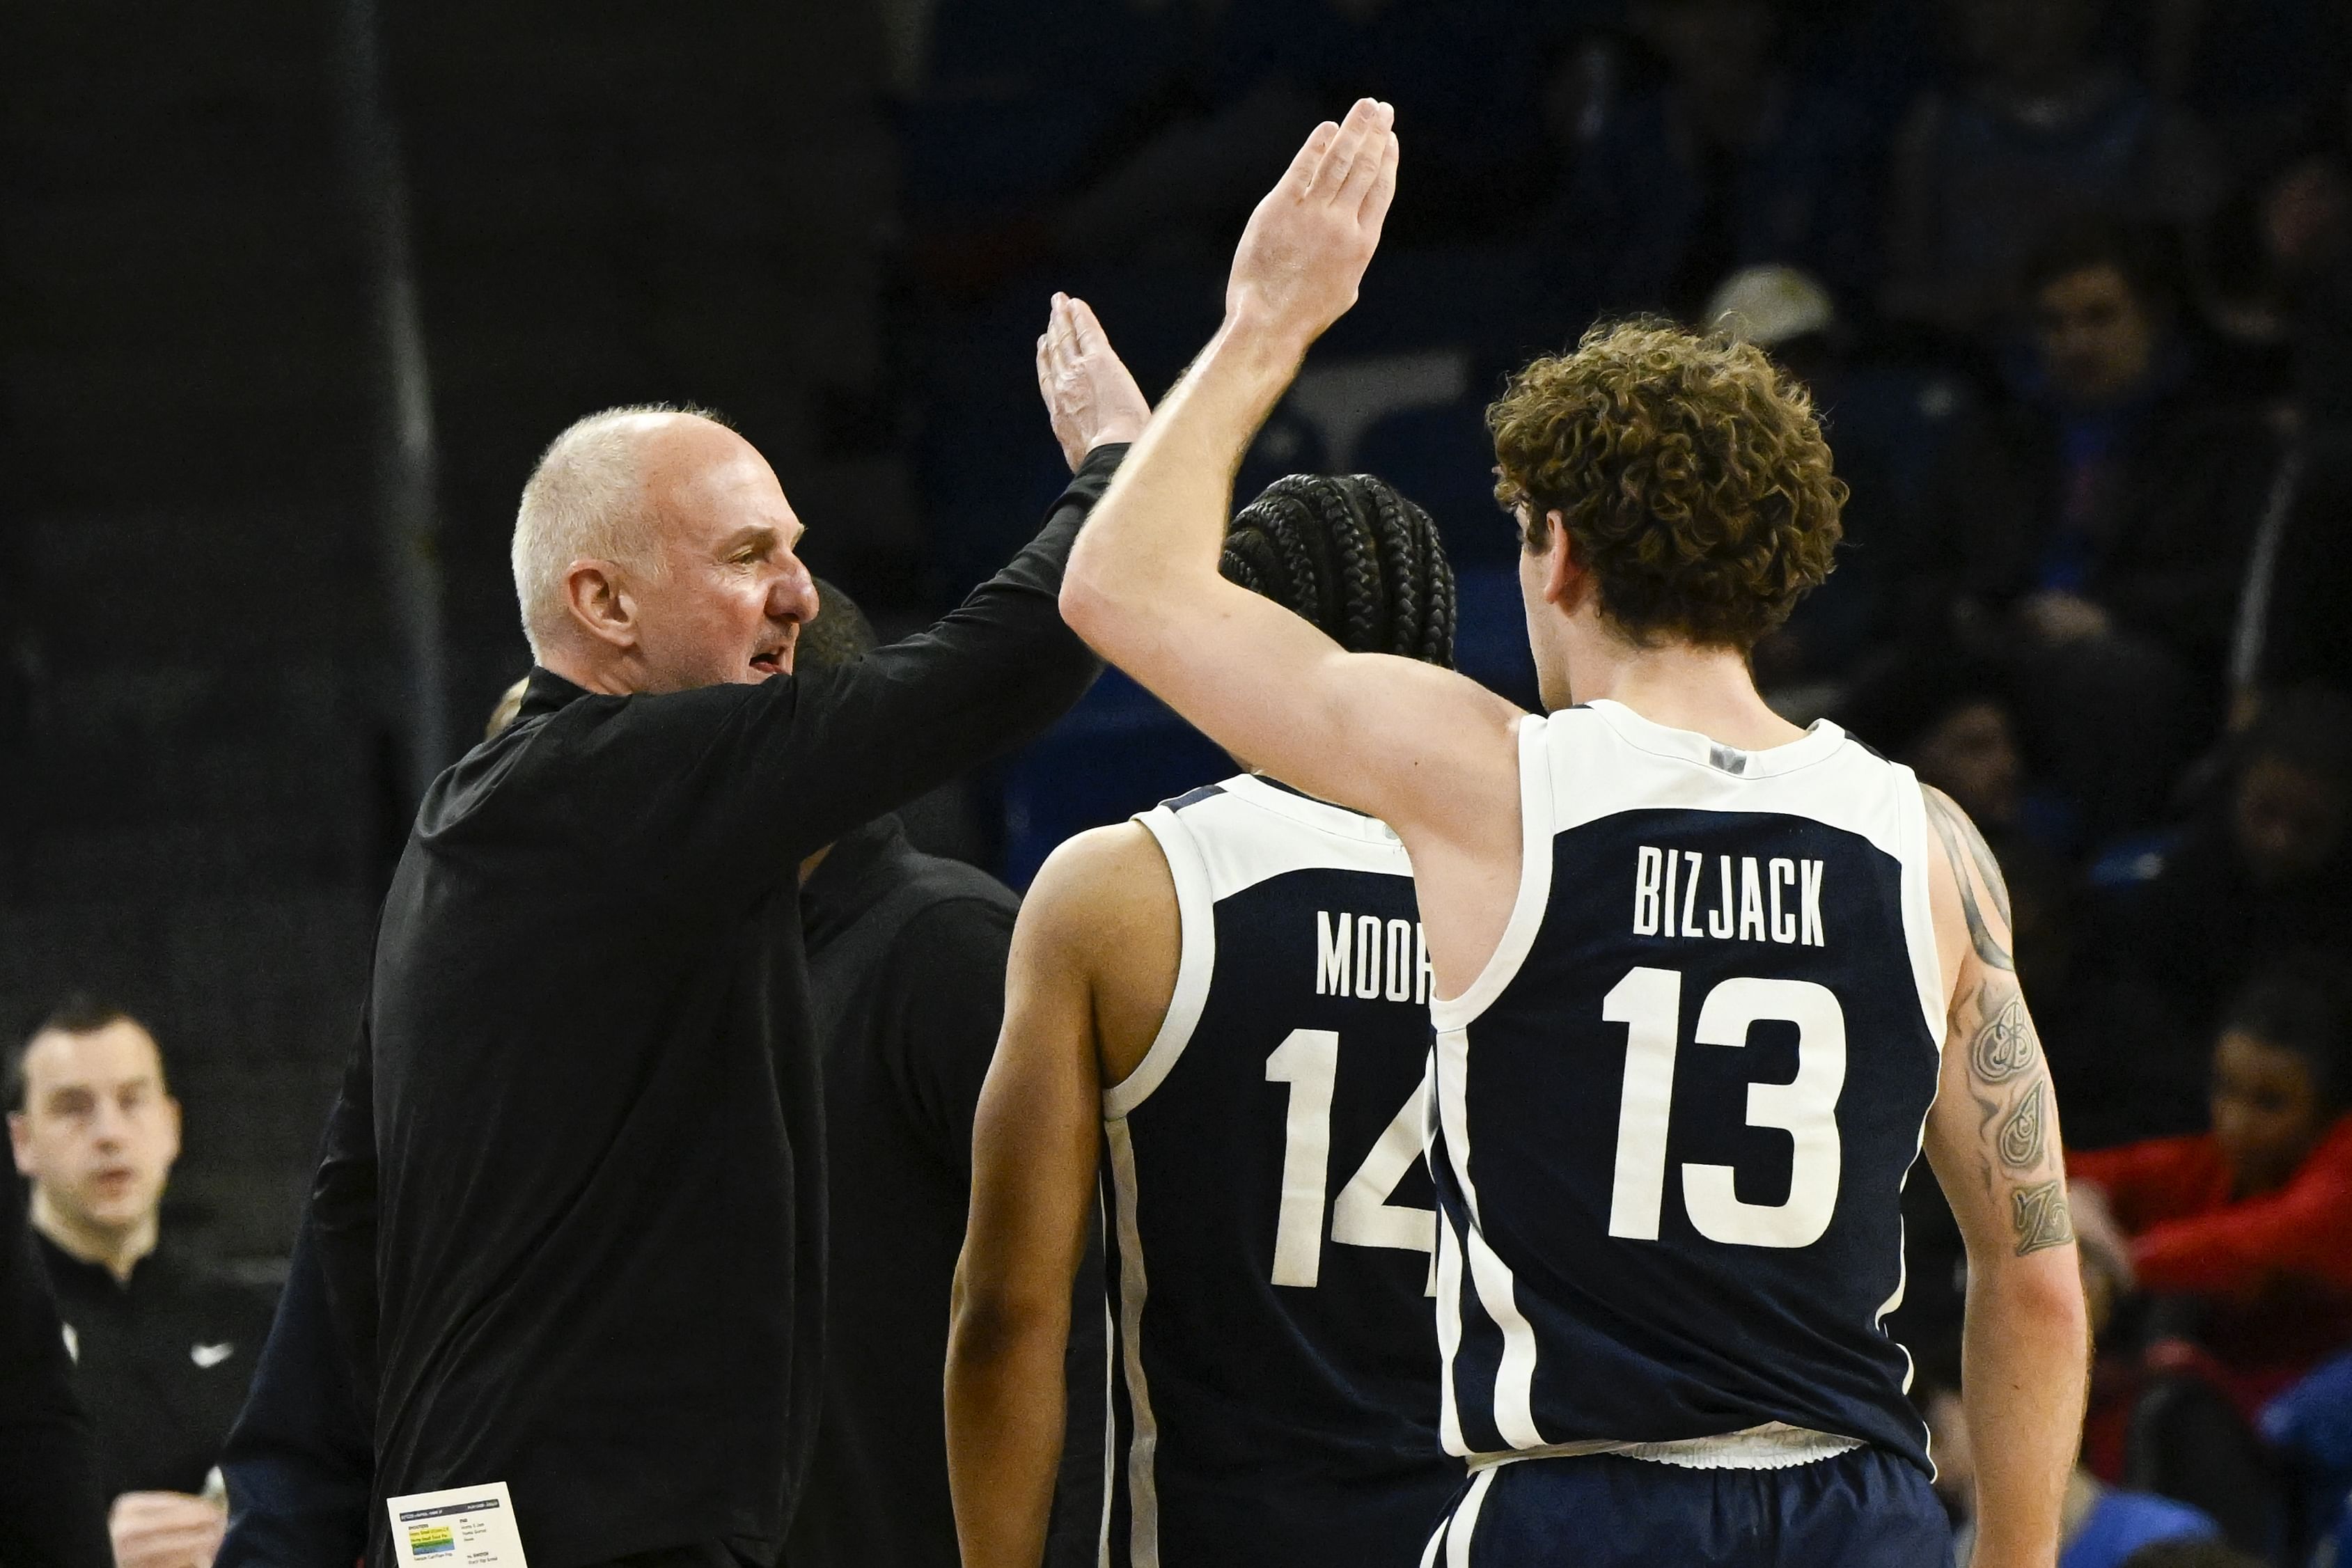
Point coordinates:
[(292, 296)]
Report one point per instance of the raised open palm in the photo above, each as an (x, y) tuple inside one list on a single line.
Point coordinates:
[(1308, 242), (1090, 396)]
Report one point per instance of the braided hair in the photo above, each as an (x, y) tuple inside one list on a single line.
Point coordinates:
[(1351, 555)]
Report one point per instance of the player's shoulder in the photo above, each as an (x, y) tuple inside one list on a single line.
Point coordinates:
[(1103, 912), (1089, 859), (1957, 847), (1098, 881)]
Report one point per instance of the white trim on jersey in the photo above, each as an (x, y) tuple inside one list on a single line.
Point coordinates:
[(1919, 914), (1489, 1275), (1535, 886), (1247, 835), (1515, 1373), (1928, 970), (1457, 1540), (1903, 1273), (1196, 960), (1436, 1539), (1824, 776), (1142, 1484), (1449, 1336), (1455, 1530), (1110, 1423), (1770, 1446), (1333, 819), (1579, 766)]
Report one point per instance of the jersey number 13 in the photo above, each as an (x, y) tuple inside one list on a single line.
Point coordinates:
[(1648, 1002)]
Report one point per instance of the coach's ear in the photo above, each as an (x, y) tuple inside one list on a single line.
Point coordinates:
[(597, 595)]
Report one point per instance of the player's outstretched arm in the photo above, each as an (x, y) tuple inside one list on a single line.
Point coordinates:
[(1430, 752), (1035, 1143), (1993, 1141)]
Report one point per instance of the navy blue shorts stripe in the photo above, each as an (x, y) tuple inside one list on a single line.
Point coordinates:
[(1867, 1508)]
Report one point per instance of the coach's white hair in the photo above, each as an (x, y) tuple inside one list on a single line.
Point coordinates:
[(585, 500)]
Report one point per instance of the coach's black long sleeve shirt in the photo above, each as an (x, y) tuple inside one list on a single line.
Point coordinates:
[(571, 1209)]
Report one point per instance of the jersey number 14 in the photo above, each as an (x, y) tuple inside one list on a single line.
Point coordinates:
[(1308, 1061)]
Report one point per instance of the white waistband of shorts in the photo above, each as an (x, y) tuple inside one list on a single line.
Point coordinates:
[(1775, 1446)]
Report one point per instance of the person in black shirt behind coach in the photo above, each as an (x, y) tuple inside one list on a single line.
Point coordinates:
[(583, 1130), (161, 1350), (907, 954)]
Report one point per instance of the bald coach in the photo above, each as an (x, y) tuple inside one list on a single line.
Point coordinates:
[(570, 1209)]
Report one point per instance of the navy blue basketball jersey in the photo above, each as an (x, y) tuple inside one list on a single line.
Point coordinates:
[(1676, 1112), (1271, 1222)]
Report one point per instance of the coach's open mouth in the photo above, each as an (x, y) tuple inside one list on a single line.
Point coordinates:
[(770, 662)]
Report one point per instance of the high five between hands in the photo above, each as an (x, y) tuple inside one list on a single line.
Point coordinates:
[(1089, 394), (1296, 272), (1309, 241)]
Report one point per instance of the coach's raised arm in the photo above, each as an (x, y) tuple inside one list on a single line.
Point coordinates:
[(571, 1205)]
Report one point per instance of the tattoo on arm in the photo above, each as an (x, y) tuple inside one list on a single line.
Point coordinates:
[(2040, 1217), (1966, 848), (2007, 1076), (2007, 1079), (2022, 1134), (2006, 1045)]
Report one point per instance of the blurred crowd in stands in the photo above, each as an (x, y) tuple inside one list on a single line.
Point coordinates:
[(2070, 281)]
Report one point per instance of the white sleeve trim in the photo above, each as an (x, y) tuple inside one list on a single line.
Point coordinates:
[(1918, 902), (1196, 962), (1536, 829)]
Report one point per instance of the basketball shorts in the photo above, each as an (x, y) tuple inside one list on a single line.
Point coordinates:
[(1862, 1508)]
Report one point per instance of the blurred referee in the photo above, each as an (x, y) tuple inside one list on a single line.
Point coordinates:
[(571, 1210)]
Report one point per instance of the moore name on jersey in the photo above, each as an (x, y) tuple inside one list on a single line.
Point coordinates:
[(1385, 958)]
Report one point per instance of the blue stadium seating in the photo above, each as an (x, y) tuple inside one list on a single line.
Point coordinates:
[(1441, 456), (1121, 751)]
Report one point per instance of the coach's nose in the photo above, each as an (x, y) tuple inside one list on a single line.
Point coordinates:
[(793, 595)]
